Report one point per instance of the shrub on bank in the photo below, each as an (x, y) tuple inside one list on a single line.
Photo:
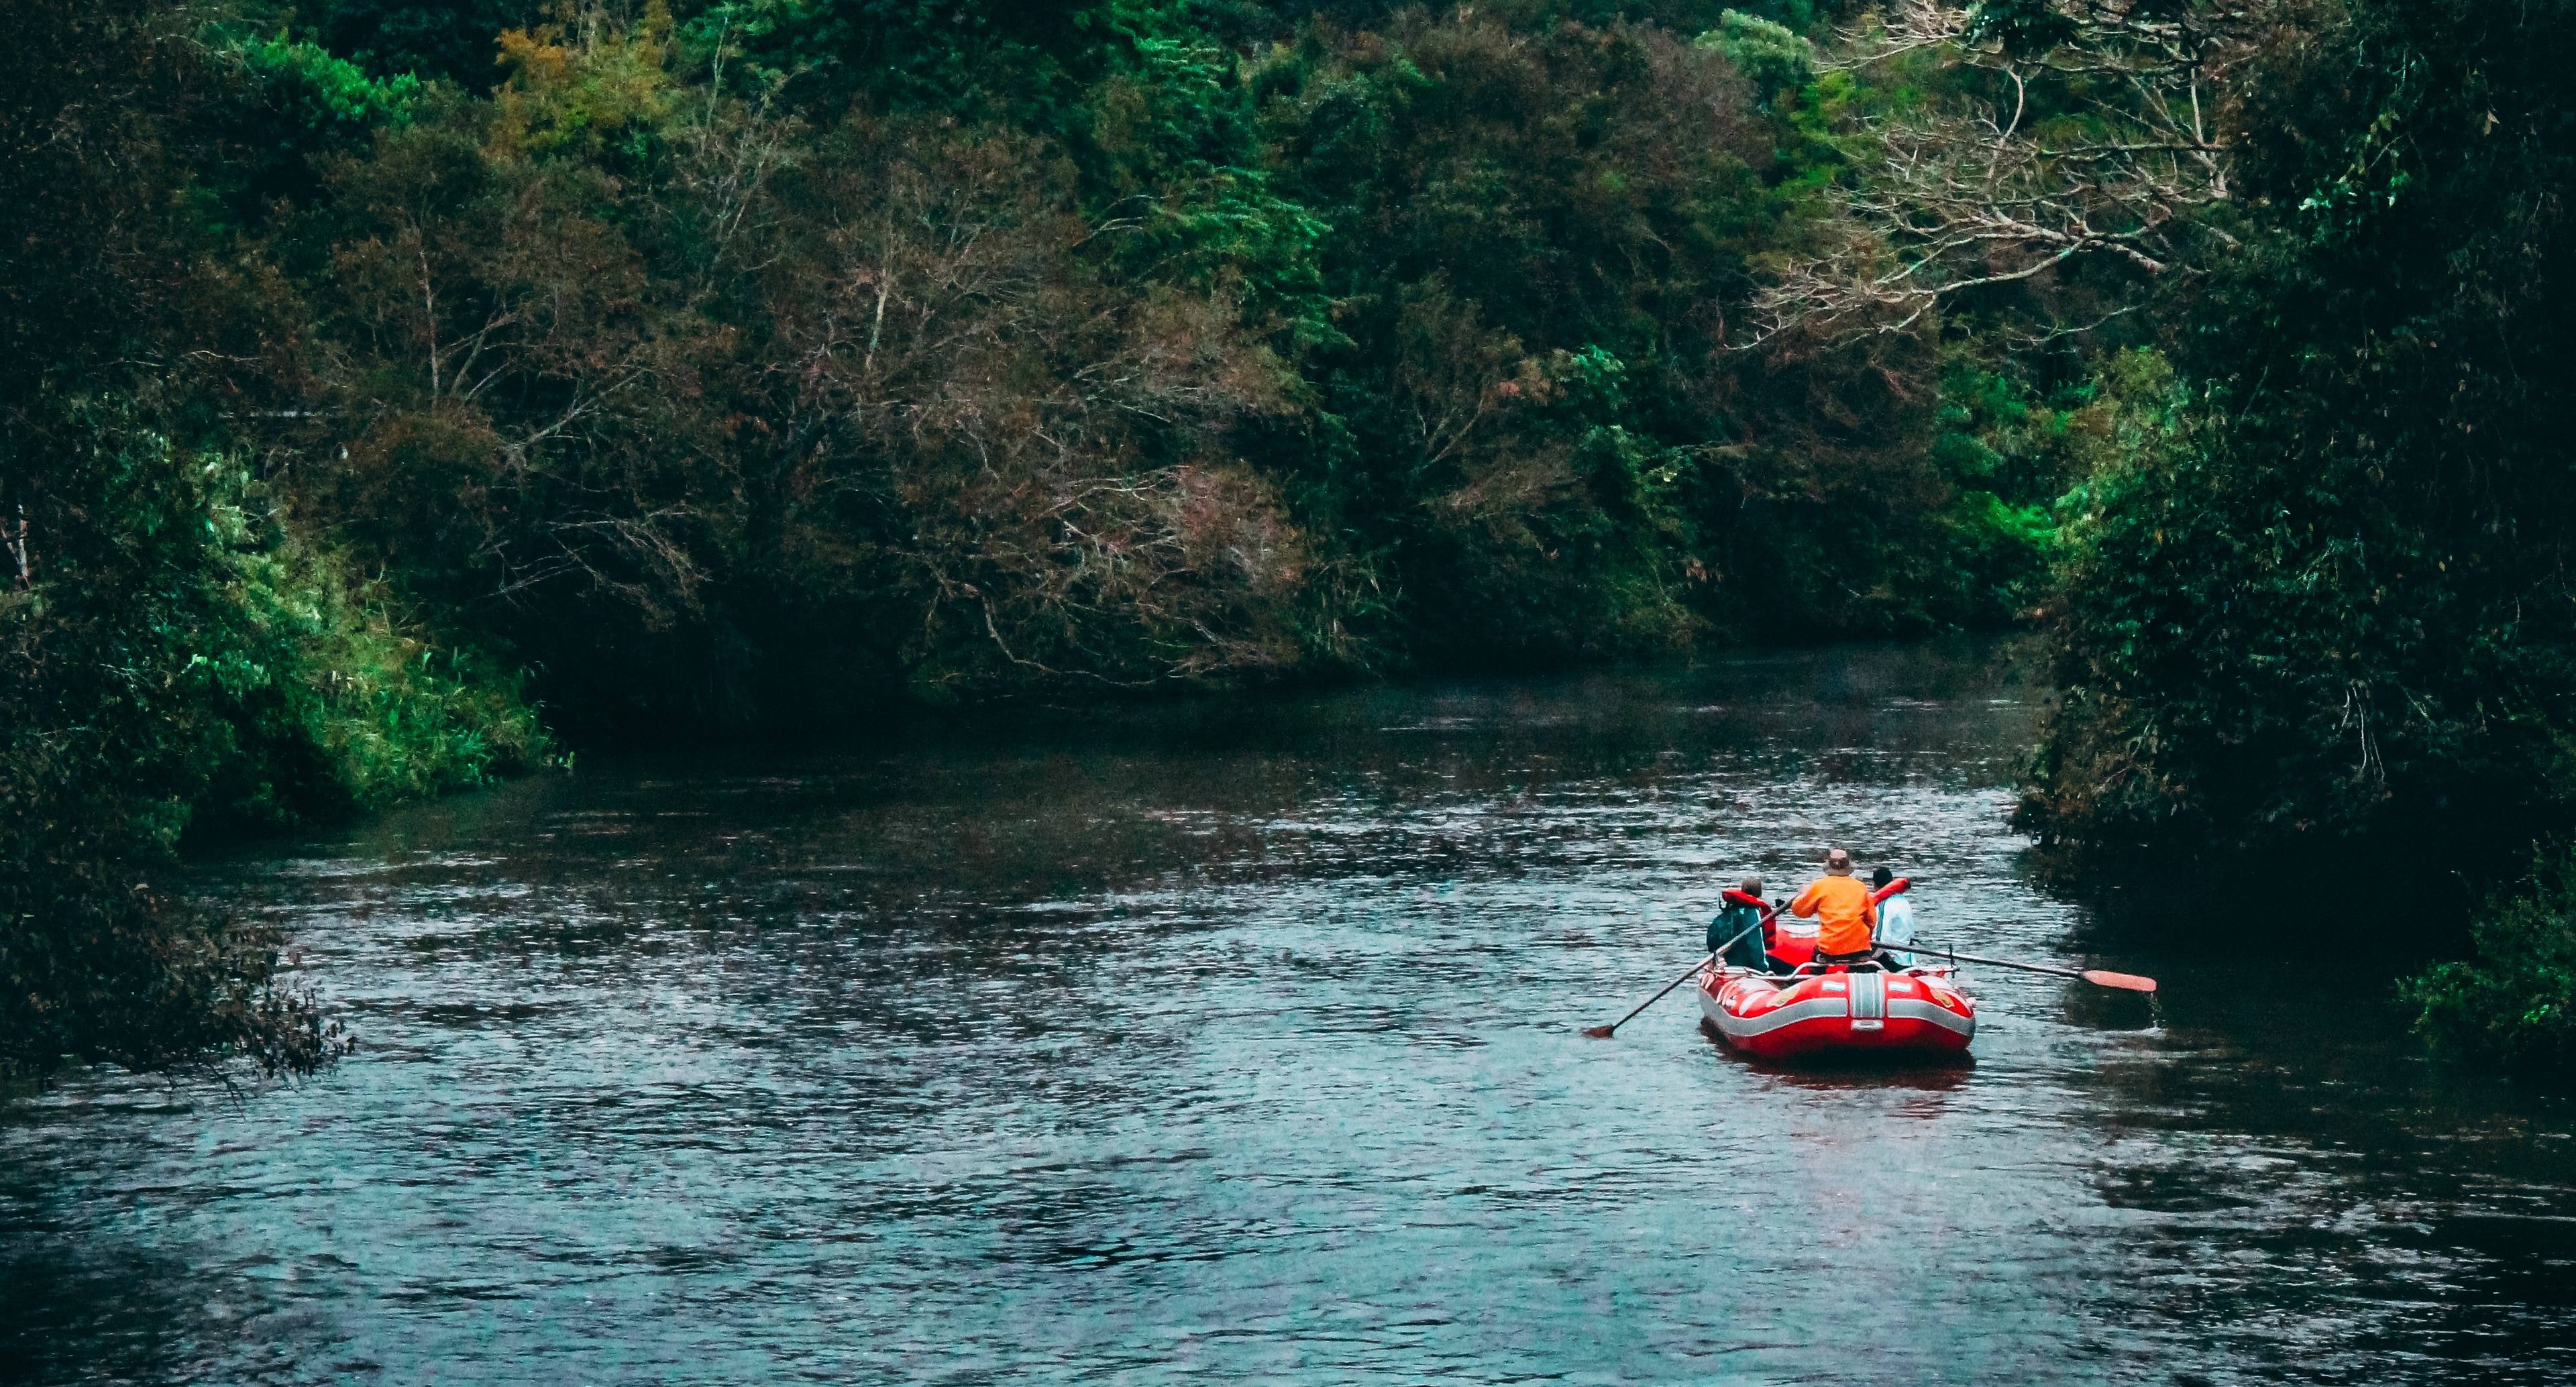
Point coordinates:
[(2515, 1002), (174, 654)]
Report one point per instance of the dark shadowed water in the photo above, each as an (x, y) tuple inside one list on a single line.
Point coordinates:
[(1242, 1044)]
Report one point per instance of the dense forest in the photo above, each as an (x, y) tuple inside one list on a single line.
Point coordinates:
[(396, 394)]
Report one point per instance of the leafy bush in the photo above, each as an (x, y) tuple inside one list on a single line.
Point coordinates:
[(2515, 1003), (327, 98), (326, 671), (172, 654), (1771, 55)]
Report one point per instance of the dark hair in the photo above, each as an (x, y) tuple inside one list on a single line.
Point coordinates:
[(1880, 876)]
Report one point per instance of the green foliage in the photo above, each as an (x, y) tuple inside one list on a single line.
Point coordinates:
[(325, 669), (1172, 137), (1483, 388), (186, 659), (2324, 603), (265, 681), (2014, 453), (292, 103), (1533, 427), (2515, 1002), (1771, 55), (1418, 335), (1140, 94), (782, 356), (329, 99)]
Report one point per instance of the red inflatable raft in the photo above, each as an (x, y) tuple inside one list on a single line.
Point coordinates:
[(1865, 1012)]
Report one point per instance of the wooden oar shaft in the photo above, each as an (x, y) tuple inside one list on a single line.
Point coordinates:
[(1659, 996), (2097, 976), (1920, 948), (1603, 1032)]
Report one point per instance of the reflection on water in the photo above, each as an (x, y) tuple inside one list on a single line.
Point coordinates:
[(1244, 1042)]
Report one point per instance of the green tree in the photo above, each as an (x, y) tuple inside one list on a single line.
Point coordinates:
[(2515, 1001), (2334, 612)]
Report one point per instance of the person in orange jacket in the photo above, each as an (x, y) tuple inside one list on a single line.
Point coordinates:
[(1841, 908)]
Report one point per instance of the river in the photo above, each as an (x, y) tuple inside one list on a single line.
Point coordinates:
[(1242, 1042)]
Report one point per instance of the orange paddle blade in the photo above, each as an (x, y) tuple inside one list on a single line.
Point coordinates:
[(1599, 1032), (2126, 982)]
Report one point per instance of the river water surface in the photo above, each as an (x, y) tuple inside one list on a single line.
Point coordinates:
[(1242, 1043)]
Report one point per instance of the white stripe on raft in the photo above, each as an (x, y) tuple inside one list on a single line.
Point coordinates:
[(1907, 1009), (1868, 996), (1790, 1015)]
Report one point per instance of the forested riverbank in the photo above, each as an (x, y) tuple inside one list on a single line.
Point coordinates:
[(398, 394)]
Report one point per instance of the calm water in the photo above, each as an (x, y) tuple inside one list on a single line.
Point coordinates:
[(1243, 1044)]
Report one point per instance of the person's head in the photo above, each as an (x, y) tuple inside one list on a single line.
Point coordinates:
[(1880, 876), (1751, 886), (1837, 862)]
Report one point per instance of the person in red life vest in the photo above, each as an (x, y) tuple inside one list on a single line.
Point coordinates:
[(1840, 906), (1751, 946)]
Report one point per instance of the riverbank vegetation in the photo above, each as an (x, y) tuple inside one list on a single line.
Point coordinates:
[(381, 374), (2320, 609)]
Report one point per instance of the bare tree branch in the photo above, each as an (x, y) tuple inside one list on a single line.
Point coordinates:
[(2097, 143)]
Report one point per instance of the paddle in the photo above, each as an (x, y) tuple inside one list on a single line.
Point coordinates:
[(2126, 982), (1603, 1032)]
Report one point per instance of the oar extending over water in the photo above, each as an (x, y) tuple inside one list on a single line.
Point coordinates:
[(2126, 982), (1603, 1032)]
